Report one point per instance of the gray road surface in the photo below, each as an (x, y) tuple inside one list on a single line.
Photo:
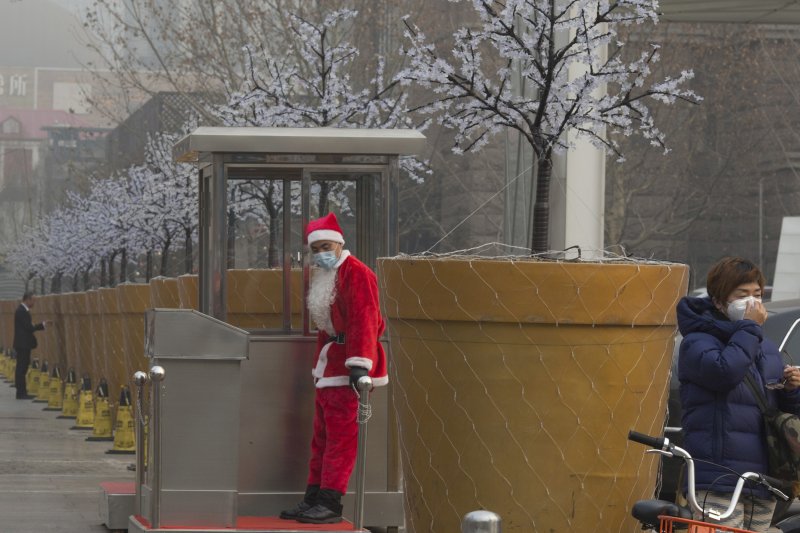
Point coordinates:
[(49, 474)]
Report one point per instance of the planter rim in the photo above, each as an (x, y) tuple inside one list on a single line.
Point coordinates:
[(532, 292)]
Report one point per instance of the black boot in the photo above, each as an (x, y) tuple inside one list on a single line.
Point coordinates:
[(328, 509), (309, 500)]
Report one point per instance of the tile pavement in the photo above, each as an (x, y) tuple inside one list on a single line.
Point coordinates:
[(49, 474)]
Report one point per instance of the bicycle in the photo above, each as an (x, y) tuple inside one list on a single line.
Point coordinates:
[(667, 516)]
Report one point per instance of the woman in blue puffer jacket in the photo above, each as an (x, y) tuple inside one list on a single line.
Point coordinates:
[(722, 342)]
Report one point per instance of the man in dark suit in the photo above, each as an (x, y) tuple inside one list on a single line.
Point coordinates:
[(24, 342)]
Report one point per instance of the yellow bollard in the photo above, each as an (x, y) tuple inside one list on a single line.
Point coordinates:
[(5, 366), (55, 401), (124, 429), (70, 403), (44, 384), (85, 417), (102, 415), (32, 378)]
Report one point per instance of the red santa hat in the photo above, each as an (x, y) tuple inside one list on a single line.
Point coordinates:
[(324, 229)]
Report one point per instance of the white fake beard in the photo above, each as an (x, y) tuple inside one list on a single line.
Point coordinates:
[(321, 294)]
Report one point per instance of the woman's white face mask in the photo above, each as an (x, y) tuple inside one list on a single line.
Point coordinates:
[(737, 308)]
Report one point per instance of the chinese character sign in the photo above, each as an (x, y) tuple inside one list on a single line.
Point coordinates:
[(16, 87)]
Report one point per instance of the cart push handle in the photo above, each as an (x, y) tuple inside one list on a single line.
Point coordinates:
[(364, 385)]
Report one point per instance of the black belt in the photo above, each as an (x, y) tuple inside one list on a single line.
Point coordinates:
[(338, 338)]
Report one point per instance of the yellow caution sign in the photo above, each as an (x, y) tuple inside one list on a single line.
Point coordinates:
[(124, 429), (85, 417), (69, 408), (5, 366), (44, 384), (55, 401), (102, 427), (32, 378)]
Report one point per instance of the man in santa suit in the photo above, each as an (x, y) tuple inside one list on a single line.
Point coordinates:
[(343, 304)]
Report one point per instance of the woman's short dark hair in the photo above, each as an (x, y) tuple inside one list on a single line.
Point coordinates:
[(730, 272)]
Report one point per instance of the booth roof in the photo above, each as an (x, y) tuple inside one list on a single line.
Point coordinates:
[(741, 11), (298, 141)]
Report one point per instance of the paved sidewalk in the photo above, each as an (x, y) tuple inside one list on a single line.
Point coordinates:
[(49, 474)]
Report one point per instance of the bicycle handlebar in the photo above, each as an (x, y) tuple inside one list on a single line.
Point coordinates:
[(659, 443), (777, 486), (663, 446)]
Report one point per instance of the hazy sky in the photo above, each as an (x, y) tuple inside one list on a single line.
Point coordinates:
[(40, 33)]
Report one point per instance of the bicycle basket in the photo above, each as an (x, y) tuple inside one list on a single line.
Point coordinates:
[(670, 524)]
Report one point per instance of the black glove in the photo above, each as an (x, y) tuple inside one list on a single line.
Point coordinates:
[(356, 373)]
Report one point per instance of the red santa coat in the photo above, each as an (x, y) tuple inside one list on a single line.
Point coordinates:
[(355, 312)]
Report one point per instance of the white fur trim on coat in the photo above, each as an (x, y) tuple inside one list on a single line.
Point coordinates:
[(333, 381), (322, 362), (344, 381), (380, 382), (325, 235)]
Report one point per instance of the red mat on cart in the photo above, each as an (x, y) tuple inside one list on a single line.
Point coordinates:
[(270, 523)]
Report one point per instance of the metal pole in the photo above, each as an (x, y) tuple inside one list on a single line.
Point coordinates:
[(761, 223), (364, 385), (481, 522), (305, 215), (139, 379), (212, 283), (156, 376)]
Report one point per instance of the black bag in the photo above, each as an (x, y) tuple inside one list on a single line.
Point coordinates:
[(783, 438)]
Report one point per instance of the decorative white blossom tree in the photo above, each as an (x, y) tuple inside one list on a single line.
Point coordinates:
[(166, 205), (568, 51), (315, 88), (144, 209)]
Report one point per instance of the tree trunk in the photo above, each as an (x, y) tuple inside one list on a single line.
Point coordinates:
[(86, 280), (75, 282), (55, 284), (112, 280), (615, 209), (123, 266), (162, 269), (103, 274), (274, 234), (539, 232), (322, 205)]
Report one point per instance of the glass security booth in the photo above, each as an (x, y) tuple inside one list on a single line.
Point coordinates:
[(258, 188)]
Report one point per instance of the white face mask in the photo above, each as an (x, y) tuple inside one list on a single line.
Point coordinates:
[(325, 260), (737, 308)]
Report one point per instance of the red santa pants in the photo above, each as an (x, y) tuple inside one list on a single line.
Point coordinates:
[(333, 448)]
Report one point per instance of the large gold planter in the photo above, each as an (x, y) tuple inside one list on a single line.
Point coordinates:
[(113, 342), (7, 309), (52, 338), (134, 300), (255, 298), (96, 337), (69, 314), (164, 293), (516, 382), (187, 292)]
